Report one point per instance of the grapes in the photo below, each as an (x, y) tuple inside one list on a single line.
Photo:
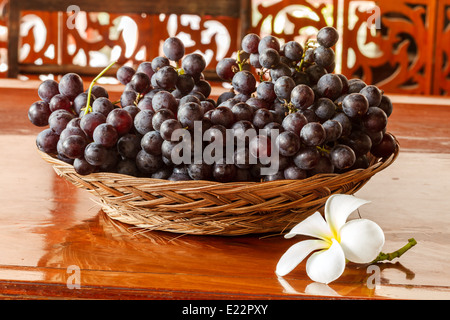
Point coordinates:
[(327, 37), (48, 89), (121, 120), (38, 113), (71, 85), (193, 64), (355, 105), (124, 74), (302, 96), (250, 43), (286, 109), (244, 82), (342, 156), (173, 48)]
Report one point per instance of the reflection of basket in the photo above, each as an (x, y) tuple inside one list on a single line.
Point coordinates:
[(213, 208)]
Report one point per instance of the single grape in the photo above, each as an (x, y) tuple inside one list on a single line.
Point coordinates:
[(193, 64), (333, 130), (106, 135), (127, 167), (145, 67), (160, 62), (143, 121), (185, 83), (324, 56), (288, 143), (373, 95), (242, 111), (82, 167), (173, 48), (151, 143), (121, 120), (315, 72), (294, 173), (38, 113), (222, 116), (306, 158), (102, 105), (168, 127), (47, 140), (129, 145), (324, 165), (244, 82), (269, 42), (189, 113), (124, 74), (342, 156), (329, 86), (327, 37), (294, 122), (283, 87), (250, 43), (293, 51), (148, 163), (90, 121), (73, 146), (226, 68), (140, 82), (386, 105), (374, 120), (80, 101), (269, 58), (345, 123), (355, 105), (96, 154), (71, 85), (313, 134), (99, 92), (280, 70), (128, 98), (261, 118), (59, 119), (386, 147), (48, 89), (166, 77), (302, 96), (266, 91), (324, 109)]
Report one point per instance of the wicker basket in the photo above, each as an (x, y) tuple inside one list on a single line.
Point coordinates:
[(213, 208)]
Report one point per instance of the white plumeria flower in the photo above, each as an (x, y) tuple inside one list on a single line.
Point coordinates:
[(358, 241)]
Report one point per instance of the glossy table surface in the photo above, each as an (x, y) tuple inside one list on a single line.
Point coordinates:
[(52, 233)]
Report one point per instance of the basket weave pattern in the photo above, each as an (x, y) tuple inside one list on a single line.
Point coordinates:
[(213, 208)]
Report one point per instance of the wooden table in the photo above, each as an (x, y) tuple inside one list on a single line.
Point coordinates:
[(52, 234)]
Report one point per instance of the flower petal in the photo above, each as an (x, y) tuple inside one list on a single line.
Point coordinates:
[(337, 209), (296, 253), (327, 265), (314, 226), (361, 240)]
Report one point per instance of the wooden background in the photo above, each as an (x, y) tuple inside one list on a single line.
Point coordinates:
[(407, 53)]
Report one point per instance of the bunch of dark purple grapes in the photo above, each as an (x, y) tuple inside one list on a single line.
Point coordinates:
[(328, 123), (325, 122)]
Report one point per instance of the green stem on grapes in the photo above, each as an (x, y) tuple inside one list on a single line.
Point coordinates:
[(323, 150), (88, 107), (396, 254), (116, 102)]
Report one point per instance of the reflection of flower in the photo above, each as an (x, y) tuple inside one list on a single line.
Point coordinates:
[(358, 241)]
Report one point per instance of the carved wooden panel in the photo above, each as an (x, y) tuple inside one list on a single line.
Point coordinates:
[(441, 83), (399, 56), (408, 53)]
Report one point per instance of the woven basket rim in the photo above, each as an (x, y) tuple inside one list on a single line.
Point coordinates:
[(215, 208)]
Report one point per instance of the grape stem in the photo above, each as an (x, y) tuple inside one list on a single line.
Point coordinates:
[(88, 107), (396, 254)]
